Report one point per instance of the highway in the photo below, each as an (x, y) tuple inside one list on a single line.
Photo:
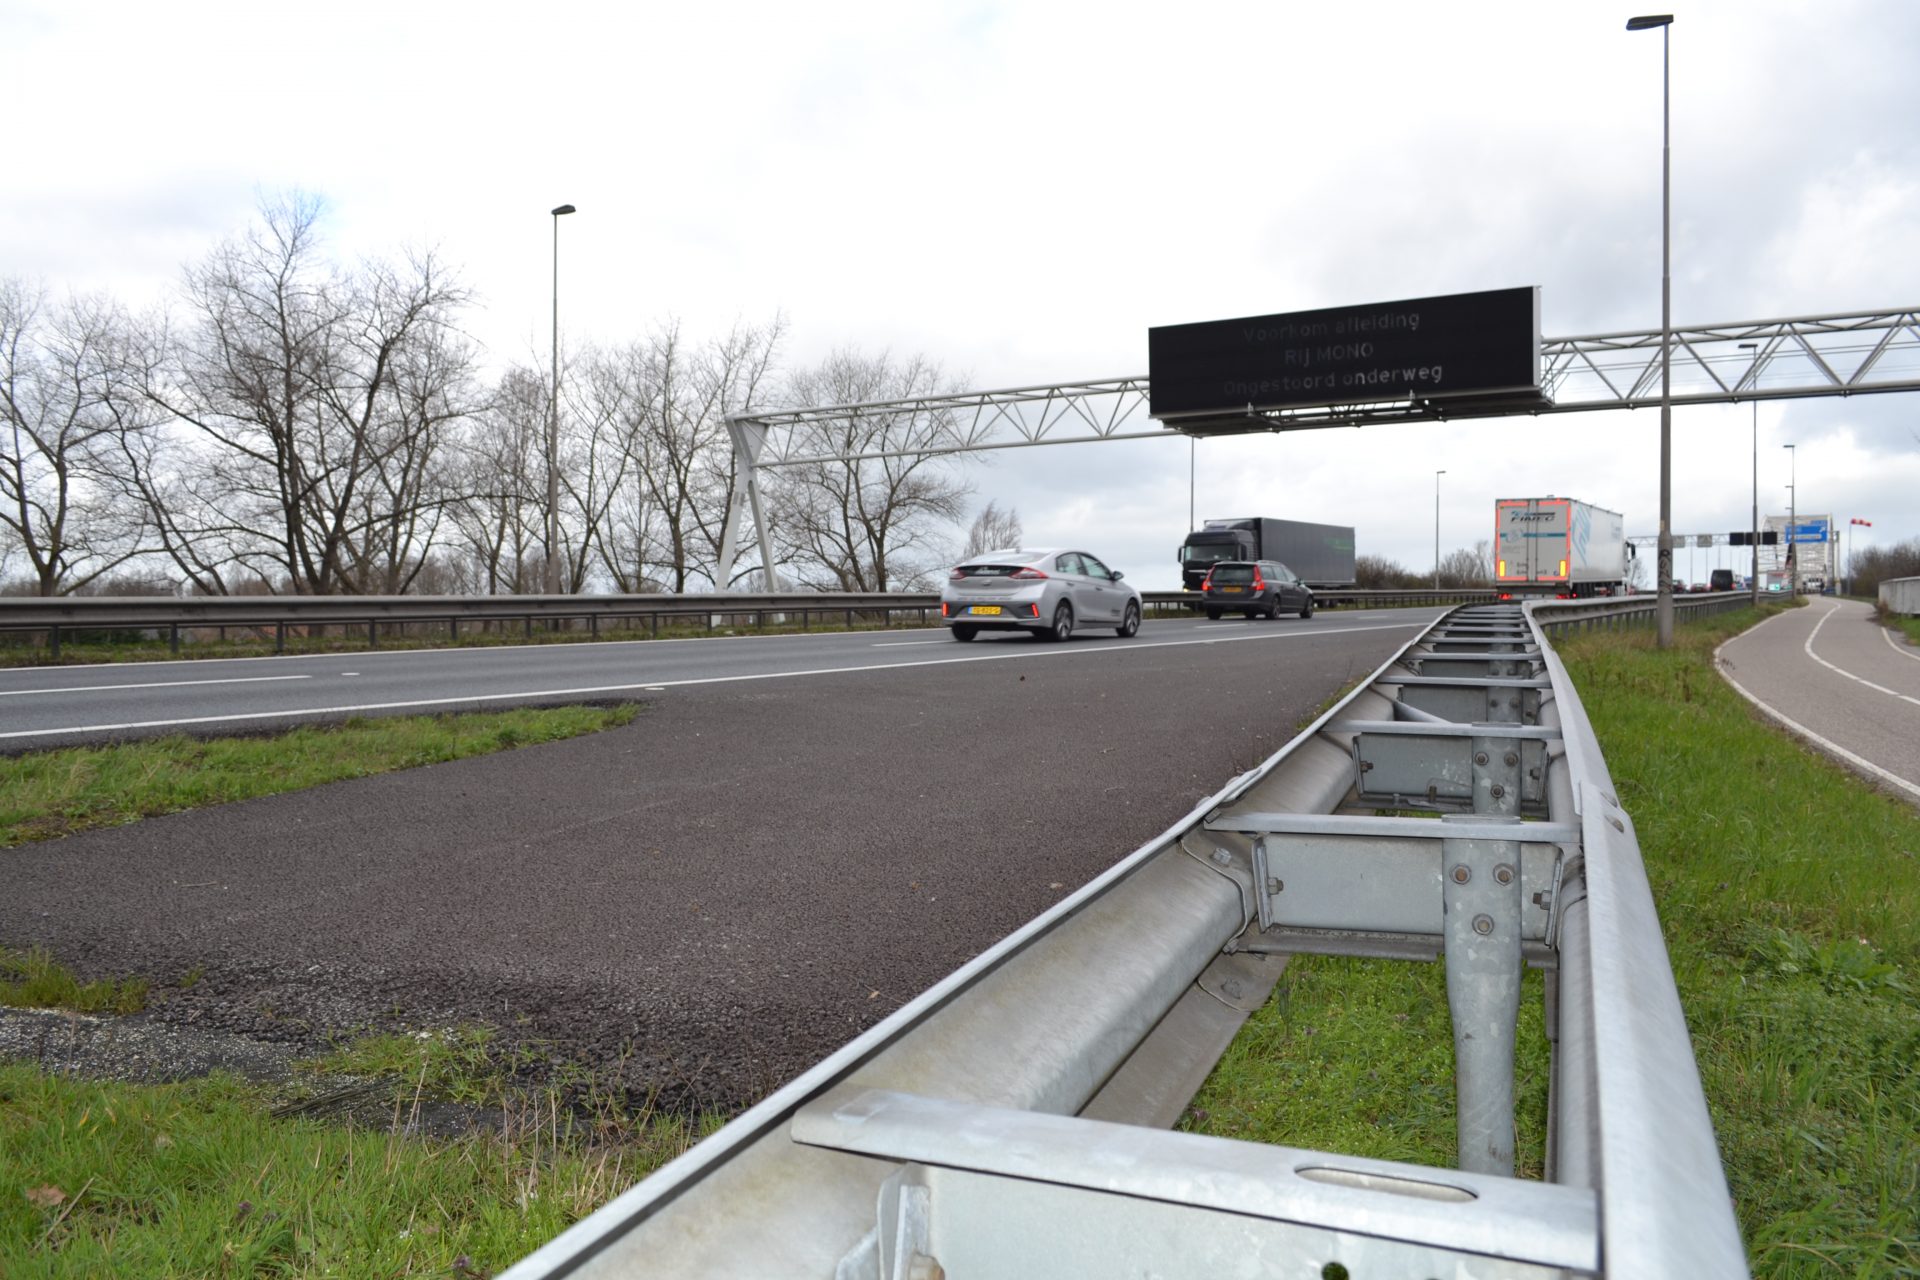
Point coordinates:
[(1840, 680), (57, 705), (795, 836)]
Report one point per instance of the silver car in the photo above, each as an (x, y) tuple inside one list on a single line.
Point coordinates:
[(1047, 592)]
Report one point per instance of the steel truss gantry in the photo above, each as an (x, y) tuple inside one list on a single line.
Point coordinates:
[(1842, 354)]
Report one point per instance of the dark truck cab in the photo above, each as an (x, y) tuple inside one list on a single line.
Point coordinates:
[(1320, 554)]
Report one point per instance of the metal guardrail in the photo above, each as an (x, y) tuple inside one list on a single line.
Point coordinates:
[(1011, 1120), (59, 617)]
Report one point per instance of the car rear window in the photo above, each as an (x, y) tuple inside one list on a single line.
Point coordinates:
[(1234, 573), (990, 570)]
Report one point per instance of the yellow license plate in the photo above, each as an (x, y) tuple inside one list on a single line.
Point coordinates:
[(984, 608), (1232, 591)]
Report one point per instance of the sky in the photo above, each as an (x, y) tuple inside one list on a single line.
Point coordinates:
[(1019, 191)]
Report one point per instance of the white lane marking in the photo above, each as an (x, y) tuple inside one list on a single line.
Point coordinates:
[(666, 684), (1825, 744), (904, 644), (1877, 688), (156, 684), (349, 673), (1904, 650)]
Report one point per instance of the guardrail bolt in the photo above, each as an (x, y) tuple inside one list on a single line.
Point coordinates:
[(1480, 757), (1510, 759), (1462, 873), (1503, 874), (1222, 857), (1541, 898), (1497, 791), (1616, 824), (1483, 925), (1275, 884)]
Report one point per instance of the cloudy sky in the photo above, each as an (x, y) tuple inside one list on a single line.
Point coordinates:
[(1020, 190)]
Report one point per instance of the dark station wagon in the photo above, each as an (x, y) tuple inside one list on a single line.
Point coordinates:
[(1257, 588)]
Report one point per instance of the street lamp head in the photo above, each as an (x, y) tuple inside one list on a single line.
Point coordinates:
[(1650, 21), (565, 208)]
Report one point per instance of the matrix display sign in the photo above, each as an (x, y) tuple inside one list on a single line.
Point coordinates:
[(1458, 345)]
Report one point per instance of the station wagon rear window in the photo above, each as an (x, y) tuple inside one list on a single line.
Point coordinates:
[(1233, 573)]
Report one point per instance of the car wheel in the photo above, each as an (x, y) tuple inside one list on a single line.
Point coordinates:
[(965, 633), (1273, 607), (1130, 621), (1306, 610), (1062, 627), (1213, 614)]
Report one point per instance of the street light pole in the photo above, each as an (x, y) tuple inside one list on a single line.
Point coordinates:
[(1753, 582), (1436, 529), (552, 572), (1793, 519), (1663, 608)]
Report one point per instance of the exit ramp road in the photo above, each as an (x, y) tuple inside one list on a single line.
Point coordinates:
[(1841, 681)]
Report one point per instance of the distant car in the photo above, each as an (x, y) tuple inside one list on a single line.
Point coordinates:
[(1721, 580), (1047, 593), (1257, 588)]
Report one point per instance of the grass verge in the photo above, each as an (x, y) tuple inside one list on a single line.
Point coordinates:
[(32, 980), (199, 1179), (46, 794), (1789, 895)]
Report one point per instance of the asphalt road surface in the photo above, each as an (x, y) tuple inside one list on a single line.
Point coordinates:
[(49, 706), (1842, 681), (705, 901)]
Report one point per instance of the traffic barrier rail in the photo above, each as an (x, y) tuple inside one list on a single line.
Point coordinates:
[(1012, 1120), (59, 617)]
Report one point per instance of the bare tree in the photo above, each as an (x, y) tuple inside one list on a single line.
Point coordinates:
[(319, 400), (1378, 573), (499, 473), (870, 524), (992, 530), (1464, 569), (664, 402), (59, 434)]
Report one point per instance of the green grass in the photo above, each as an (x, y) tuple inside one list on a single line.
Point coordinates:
[(55, 793), (458, 1065), (32, 980), (1789, 893), (198, 1179)]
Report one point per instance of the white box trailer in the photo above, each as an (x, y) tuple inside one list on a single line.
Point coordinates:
[(1560, 547)]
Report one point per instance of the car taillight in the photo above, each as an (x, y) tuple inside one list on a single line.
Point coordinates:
[(943, 609), (956, 575), (1207, 581), (1026, 575), (1259, 584), (1035, 607)]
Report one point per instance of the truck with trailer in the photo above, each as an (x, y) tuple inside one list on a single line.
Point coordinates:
[(1559, 547), (1321, 555)]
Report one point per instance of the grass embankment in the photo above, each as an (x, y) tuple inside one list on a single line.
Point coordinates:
[(1789, 894), (201, 1179), (55, 793)]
